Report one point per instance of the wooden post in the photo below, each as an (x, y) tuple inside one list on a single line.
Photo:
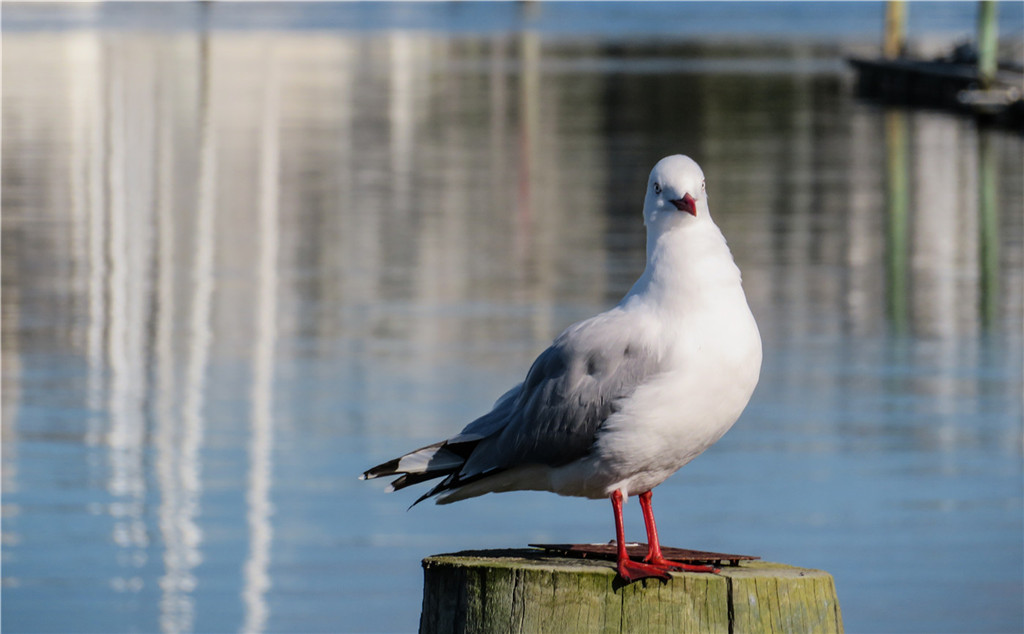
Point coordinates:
[(987, 43), (528, 591), (895, 42)]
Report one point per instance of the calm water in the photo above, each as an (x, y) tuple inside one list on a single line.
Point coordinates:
[(241, 266)]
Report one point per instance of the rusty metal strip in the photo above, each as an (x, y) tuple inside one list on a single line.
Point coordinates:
[(638, 551)]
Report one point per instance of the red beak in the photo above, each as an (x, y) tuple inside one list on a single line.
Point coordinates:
[(687, 204)]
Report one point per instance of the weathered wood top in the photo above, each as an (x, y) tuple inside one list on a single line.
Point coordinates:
[(525, 590), (536, 559)]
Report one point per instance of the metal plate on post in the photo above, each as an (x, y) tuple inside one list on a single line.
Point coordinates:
[(638, 551)]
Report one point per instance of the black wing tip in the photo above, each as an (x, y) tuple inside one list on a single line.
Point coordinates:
[(384, 469), (441, 486), (410, 479), (391, 467)]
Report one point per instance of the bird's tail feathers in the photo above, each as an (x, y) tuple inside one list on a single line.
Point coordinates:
[(426, 463)]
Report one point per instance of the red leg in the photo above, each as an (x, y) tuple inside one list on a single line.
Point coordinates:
[(628, 569), (654, 555), (653, 545)]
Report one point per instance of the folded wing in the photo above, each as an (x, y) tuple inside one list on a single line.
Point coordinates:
[(552, 418)]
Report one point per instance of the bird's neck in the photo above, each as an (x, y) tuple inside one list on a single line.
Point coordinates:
[(686, 264)]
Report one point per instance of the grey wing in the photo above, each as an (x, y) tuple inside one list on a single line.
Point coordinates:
[(571, 389), (491, 422)]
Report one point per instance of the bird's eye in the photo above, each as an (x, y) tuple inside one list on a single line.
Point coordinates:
[(702, 185), (657, 188)]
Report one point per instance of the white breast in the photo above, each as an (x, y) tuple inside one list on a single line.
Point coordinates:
[(674, 418)]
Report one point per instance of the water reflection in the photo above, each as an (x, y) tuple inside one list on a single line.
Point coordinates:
[(257, 581), (182, 474), (238, 267)]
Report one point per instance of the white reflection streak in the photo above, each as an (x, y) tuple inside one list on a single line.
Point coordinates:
[(943, 223), (257, 580), (938, 226), (401, 110), (177, 613), (127, 287), (116, 244), (864, 243), (498, 113), (97, 261), (177, 580), (81, 85)]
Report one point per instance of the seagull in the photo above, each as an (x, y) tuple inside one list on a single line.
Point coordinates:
[(621, 401)]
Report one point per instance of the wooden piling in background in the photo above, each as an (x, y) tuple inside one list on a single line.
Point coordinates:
[(988, 43), (527, 591), (894, 43)]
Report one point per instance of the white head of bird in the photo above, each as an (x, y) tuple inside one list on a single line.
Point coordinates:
[(676, 185)]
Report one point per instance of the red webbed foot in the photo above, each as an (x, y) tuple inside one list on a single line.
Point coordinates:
[(634, 571)]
